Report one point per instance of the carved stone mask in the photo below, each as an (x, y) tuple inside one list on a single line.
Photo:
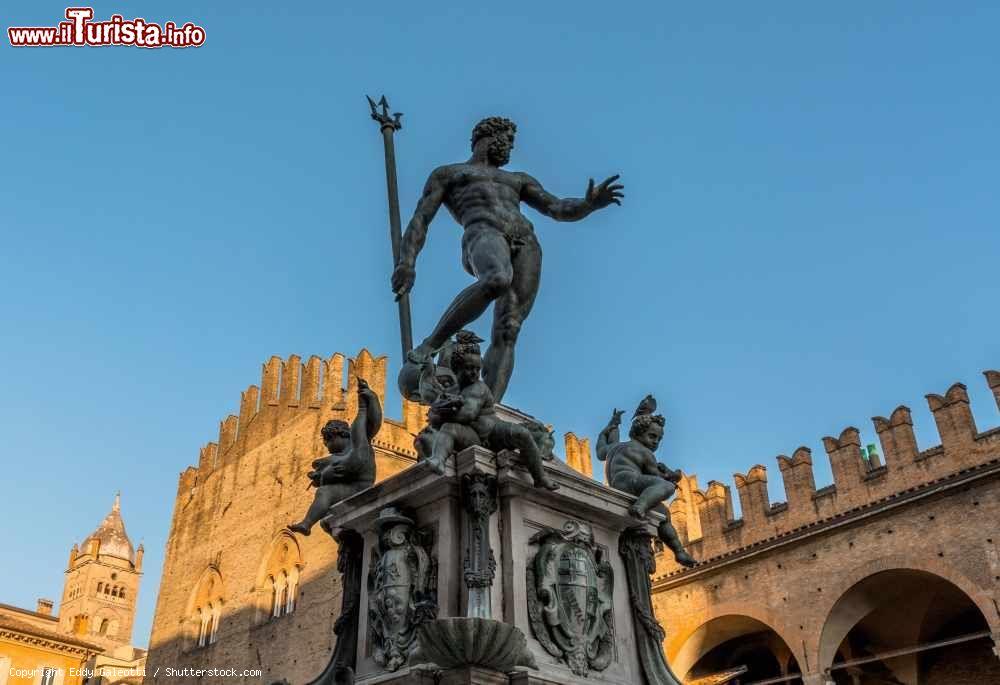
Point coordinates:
[(479, 496)]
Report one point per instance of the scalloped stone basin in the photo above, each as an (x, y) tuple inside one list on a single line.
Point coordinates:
[(458, 641)]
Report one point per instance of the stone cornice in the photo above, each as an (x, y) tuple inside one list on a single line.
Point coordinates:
[(65, 647)]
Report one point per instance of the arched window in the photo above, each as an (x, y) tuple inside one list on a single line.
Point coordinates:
[(104, 627), (278, 577), (121, 593), (100, 586), (107, 589), (205, 609)]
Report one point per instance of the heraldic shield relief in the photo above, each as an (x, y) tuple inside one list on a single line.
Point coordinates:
[(570, 589), (400, 589)]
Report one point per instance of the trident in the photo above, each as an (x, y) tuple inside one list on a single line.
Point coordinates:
[(389, 125)]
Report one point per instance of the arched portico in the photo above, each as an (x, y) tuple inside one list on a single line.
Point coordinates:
[(736, 636), (895, 621)]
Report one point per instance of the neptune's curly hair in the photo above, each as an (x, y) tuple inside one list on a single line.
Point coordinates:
[(490, 126)]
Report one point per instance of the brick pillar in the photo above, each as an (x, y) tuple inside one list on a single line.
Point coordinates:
[(800, 484), (848, 469), (899, 444), (955, 424), (993, 378), (752, 489), (578, 454)]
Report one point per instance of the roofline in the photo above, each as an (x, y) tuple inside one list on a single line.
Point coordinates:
[(55, 637), (29, 612)]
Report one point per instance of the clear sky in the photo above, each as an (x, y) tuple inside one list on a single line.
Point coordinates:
[(809, 236)]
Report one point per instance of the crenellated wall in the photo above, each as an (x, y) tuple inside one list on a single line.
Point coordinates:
[(857, 482), (291, 390)]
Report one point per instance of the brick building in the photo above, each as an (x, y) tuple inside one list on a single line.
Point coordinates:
[(890, 575), (796, 587)]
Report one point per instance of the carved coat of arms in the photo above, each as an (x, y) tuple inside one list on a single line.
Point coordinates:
[(570, 590), (400, 590)]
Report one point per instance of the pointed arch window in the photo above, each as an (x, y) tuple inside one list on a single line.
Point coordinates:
[(277, 586), (204, 609)]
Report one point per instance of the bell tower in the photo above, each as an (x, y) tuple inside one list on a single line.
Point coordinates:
[(102, 582)]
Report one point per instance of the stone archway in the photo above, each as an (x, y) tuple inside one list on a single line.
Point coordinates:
[(906, 626), (732, 640)]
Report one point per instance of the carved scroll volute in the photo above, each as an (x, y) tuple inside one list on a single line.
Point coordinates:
[(636, 549), (570, 591), (479, 498), (401, 592)]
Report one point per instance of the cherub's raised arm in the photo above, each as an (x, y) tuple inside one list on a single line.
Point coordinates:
[(572, 208), (609, 437), (369, 419)]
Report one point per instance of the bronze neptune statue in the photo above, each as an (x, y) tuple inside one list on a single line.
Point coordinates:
[(499, 247)]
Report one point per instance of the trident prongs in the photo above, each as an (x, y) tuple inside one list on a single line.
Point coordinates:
[(383, 117)]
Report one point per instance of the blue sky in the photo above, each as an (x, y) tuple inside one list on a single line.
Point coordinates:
[(809, 236)]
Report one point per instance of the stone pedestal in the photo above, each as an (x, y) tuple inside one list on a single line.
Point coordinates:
[(464, 544)]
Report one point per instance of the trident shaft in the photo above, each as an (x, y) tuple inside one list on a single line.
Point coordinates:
[(389, 124)]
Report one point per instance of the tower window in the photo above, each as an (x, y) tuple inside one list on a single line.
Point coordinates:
[(100, 586), (48, 676), (104, 627)]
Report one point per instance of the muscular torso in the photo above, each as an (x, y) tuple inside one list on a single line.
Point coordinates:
[(477, 194)]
